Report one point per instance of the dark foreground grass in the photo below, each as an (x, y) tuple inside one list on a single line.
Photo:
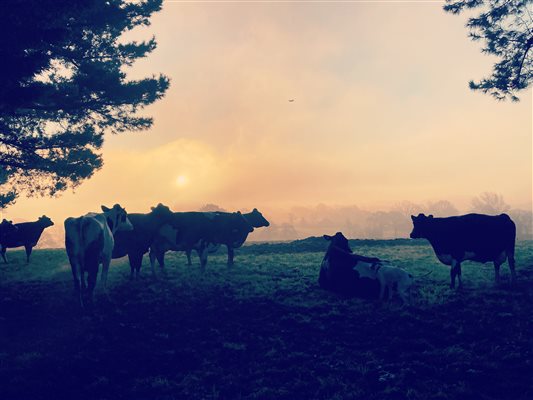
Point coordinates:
[(264, 330)]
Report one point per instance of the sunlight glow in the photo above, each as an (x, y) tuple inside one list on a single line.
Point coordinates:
[(181, 180)]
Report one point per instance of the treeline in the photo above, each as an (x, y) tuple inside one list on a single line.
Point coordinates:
[(355, 222)]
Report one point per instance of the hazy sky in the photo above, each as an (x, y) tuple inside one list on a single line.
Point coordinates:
[(381, 113)]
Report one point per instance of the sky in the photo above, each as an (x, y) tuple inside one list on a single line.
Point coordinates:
[(381, 114)]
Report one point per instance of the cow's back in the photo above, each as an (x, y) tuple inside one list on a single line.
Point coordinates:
[(27, 233), (483, 235)]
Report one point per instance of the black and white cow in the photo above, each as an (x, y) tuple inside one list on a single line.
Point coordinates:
[(27, 235), (346, 273), (135, 243), (474, 237), (232, 230), (89, 242)]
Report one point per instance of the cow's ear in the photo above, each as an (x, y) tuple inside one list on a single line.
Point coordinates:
[(430, 216), (327, 237), (255, 210), (105, 209), (413, 217), (238, 212)]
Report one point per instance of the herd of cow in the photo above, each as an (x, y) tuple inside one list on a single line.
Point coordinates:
[(96, 238)]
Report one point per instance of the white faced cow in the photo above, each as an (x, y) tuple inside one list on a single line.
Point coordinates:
[(89, 242), (475, 237)]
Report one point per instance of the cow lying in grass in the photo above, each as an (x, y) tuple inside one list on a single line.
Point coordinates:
[(346, 273), (350, 274)]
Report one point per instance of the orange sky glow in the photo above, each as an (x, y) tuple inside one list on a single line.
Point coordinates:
[(382, 113)]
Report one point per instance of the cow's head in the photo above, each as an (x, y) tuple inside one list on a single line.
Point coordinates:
[(7, 228), (117, 218), (162, 213), (338, 240), (241, 224), (256, 219), (420, 226), (45, 221)]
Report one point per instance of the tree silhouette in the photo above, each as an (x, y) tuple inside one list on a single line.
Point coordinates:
[(441, 208), (490, 203), (506, 27), (64, 85)]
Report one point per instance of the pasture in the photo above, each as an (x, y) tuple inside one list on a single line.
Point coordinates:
[(265, 330)]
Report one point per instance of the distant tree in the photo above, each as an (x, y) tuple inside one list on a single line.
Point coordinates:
[(63, 85), (441, 208), (490, 203), (211, 207), (408, 208), (524, 223), (506, 28)]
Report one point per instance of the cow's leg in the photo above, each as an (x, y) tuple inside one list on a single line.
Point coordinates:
[(511, 261), (188, 253), (453, 273), (28, 252), (202, 253), (105, 270), (460, 286), (231, 254), (76, 276), (135, 264), (152, 257), (4, 254), (497, 272), (92, 274)]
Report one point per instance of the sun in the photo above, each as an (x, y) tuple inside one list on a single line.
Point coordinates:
[(181, 180)]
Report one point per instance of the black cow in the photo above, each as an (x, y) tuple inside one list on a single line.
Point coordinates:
[(136, 243), (27, 235), (186, 230), (232, 232), (474, 237), (346, 273)]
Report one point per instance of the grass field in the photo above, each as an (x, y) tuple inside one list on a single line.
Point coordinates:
[(265, 330)]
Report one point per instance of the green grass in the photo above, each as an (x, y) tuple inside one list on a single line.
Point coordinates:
[(264, 329)]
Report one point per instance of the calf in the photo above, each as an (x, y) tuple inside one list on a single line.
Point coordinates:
[(474, 237), (135, 243), (27, 235), (390, 276), (89, 242)]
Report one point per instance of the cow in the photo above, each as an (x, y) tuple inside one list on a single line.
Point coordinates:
[(89, 241), (136, 243), (474, 237), (198, 231), (232, 232), (27, 235), (346, 273)]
